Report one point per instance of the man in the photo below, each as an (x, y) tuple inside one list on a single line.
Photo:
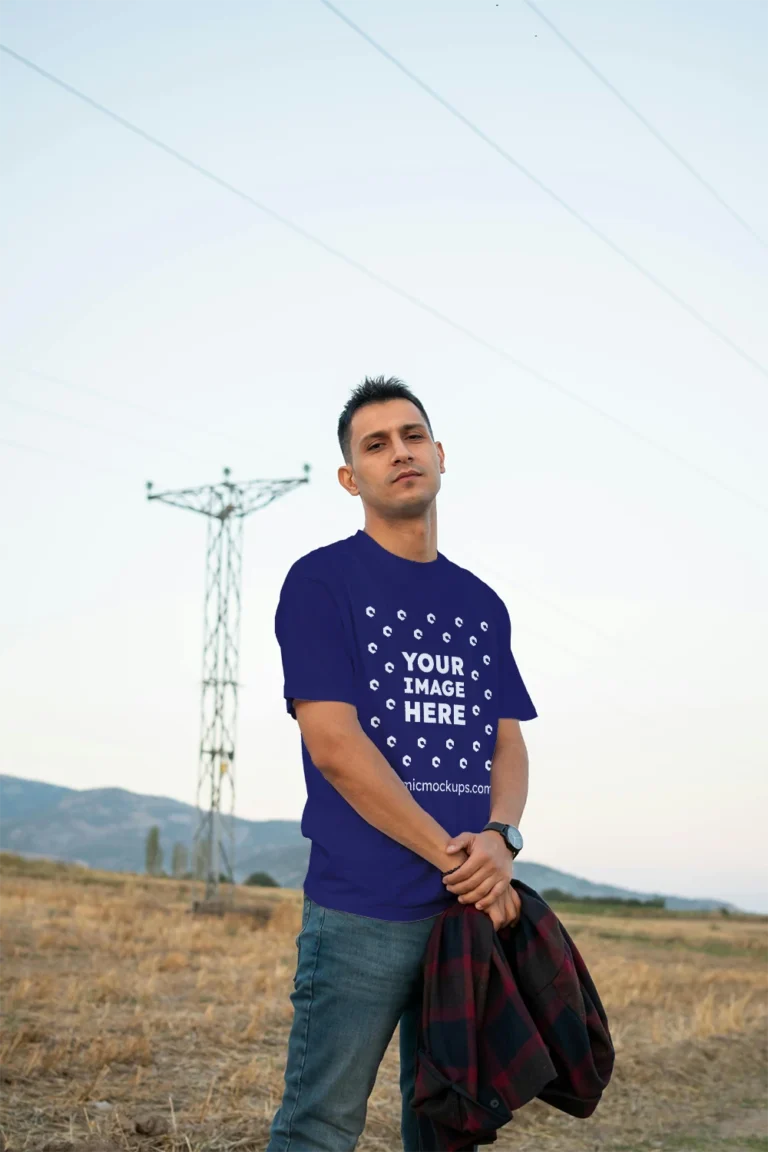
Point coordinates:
[(399, 671)]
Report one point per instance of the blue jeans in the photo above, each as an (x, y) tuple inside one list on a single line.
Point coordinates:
[(356, 978)]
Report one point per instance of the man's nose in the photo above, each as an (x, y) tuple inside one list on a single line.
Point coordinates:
[(401, 450)]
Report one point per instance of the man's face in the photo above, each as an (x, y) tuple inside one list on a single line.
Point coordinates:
[(386, 440)]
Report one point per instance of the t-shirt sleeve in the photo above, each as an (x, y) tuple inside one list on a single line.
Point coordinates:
[(514, 701), (317, 664)]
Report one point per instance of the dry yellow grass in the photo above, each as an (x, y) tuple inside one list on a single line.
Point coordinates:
[(121, 1009)]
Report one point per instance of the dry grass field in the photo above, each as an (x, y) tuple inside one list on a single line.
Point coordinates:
[(128, 1023)]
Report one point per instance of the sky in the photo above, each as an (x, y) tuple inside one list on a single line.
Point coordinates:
[(605, 464)]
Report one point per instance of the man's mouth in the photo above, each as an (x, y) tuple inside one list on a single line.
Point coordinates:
[(406, 476)]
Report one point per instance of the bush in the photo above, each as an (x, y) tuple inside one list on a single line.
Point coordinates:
[(556, 895), (262, 880)]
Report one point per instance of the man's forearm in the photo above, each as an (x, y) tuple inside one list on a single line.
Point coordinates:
[(509, 782), (357, 769)]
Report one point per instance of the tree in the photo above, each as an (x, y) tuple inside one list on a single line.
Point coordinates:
[(179, 859), (262, 880), (552, 895), (153, 851)]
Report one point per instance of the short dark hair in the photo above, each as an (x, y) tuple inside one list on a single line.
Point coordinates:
[(373, 390)]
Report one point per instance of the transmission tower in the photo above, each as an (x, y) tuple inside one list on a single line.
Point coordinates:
[(226, 505)]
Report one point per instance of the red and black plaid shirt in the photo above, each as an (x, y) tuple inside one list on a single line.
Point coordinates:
[(506, 1017)]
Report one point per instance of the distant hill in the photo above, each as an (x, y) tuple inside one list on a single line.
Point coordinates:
[(106, 828)]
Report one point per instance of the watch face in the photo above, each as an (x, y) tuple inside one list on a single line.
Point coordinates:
[(514, 838)]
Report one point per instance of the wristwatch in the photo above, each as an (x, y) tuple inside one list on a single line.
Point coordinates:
[(512, 836)]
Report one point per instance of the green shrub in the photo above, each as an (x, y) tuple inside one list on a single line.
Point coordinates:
[(262, 880)]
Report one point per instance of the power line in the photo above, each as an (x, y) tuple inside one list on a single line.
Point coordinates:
[(25, 406), (29, 448), (381, 280), (135, 404), (21, 447), (645, 122), (505, 579), (689, 308), (584, 663)]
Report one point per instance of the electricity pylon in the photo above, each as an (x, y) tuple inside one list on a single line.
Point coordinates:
[(226, 505)]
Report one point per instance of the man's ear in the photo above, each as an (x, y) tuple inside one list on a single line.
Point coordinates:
[(347, 480), (441, 455)]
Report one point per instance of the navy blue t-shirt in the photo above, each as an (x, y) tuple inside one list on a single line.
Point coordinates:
[(423, 652)]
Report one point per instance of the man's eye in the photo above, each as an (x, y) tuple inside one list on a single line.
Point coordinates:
[(370, 446), (417, 435)]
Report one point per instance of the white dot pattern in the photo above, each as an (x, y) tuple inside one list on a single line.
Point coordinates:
[(421, 667)]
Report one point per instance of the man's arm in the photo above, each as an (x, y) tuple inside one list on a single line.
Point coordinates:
[(509, 774), (352, 763), (485, 878)]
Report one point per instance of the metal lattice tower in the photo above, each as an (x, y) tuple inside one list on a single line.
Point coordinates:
[(225, 505)]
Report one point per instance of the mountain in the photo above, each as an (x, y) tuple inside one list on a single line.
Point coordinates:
[(106, 828)]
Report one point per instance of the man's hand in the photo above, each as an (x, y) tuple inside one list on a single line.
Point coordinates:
[(505, 909), (486, 874)]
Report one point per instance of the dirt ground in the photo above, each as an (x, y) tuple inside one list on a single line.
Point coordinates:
[(128, 1023)]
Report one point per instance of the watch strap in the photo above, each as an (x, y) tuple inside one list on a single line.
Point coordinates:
[(497, 826)]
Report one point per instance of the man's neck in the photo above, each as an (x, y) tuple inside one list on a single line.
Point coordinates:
[(410, 539)]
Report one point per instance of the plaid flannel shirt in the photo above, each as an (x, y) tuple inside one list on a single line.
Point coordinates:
[(506, 1017)]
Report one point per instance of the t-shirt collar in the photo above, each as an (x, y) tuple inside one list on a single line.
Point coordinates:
[(398, 566)]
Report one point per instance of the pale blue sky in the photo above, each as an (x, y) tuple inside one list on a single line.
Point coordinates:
[(636, 587)]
